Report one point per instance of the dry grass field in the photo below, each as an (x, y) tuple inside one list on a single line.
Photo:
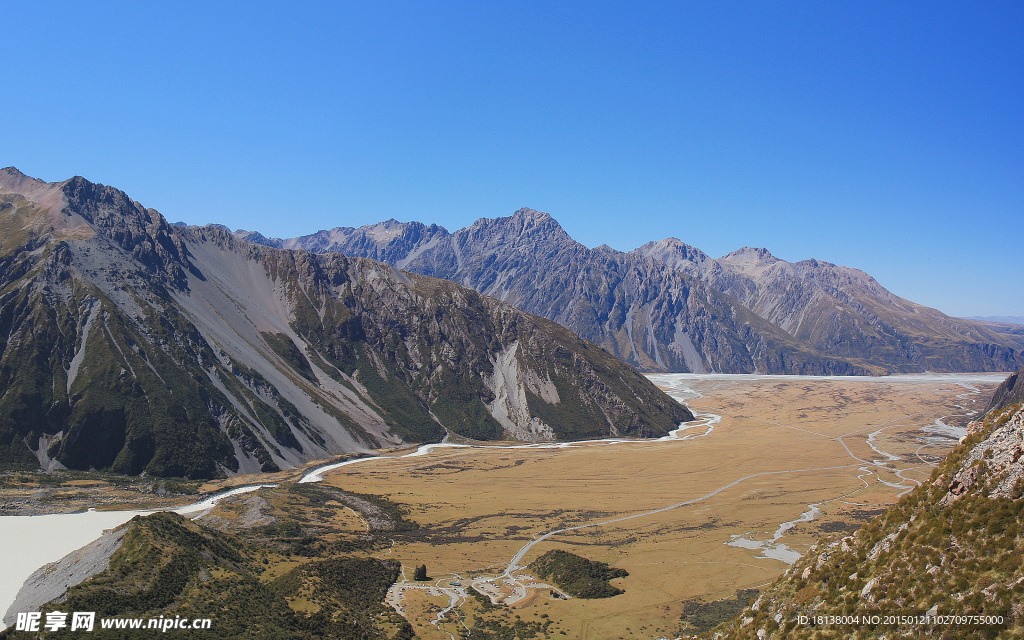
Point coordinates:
[(822, 455)]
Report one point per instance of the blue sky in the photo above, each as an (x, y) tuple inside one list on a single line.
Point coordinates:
[(883, 136)]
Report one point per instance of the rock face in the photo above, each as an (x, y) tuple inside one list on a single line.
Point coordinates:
[(131, 345), (668, 306), (997, 458), (952, 546), (1009, 393)]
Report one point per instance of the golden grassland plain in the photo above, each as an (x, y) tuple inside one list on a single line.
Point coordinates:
[(781, 446)]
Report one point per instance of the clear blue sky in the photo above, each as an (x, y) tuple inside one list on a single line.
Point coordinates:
[(883, 136)]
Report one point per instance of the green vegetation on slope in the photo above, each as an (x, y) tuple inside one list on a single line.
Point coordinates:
[(130, 408)]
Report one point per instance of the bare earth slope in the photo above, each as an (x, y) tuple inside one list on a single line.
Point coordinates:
[(669, 307), (131, 345)]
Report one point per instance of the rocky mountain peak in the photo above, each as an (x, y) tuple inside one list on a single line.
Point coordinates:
[(390, 230), (14, 181), (674, 252), (749, 260), (749, 254), (525, 227), (524, 219), (539, 217), (10, 177)]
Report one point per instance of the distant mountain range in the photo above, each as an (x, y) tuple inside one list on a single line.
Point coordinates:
[(131, 345), (1000, 319), (668, 306)]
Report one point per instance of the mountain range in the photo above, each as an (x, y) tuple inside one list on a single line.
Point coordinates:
[(669, 307), (131, 345)]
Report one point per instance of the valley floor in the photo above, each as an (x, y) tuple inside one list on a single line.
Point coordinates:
[(773, 463), (786, 460)]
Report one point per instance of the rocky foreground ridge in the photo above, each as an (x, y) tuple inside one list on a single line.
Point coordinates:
[(131, 345), (950, 547), (668, 306)]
